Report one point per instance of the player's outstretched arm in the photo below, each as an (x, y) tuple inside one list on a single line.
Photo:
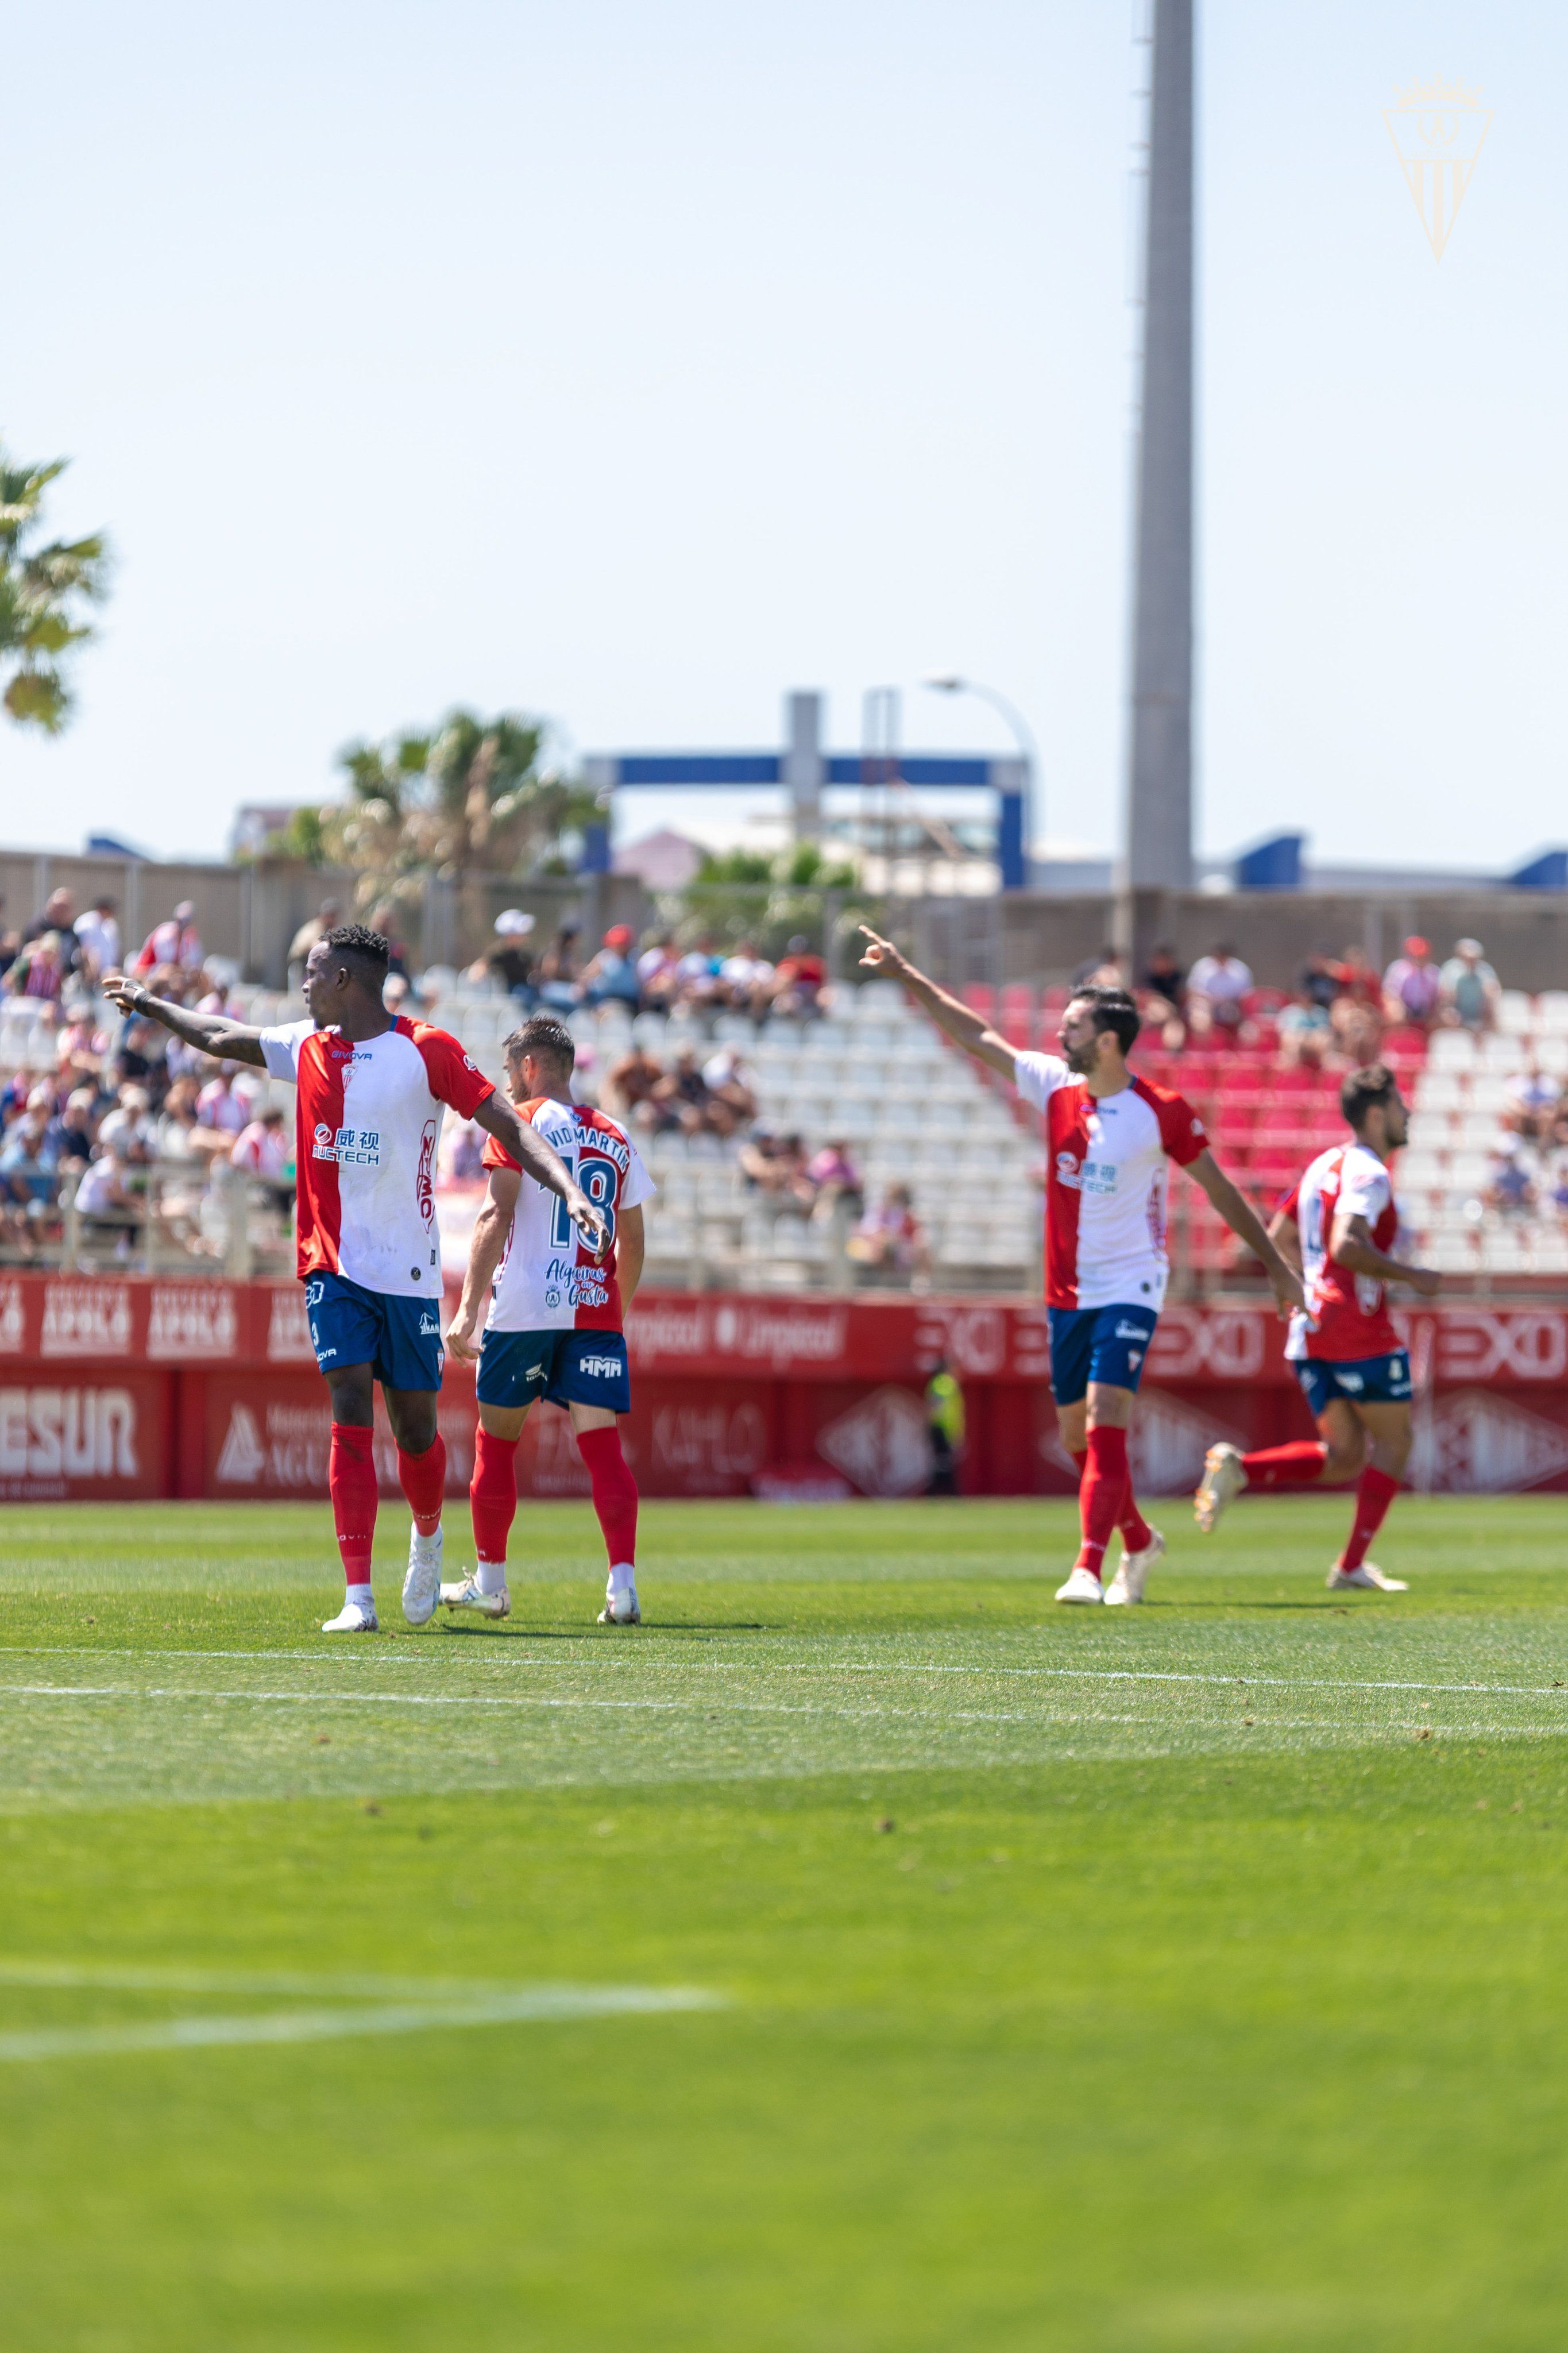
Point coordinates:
[(964, 1028), (1351, 1245), (1242, 1219), (491, 1227), (210, 1033), (541, 1161)]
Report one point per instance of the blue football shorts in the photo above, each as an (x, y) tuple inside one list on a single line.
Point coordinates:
[(399, 1339), (565, 1367), (1097, 1344), (1368, 1380)]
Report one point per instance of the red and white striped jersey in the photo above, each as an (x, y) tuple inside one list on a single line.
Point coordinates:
[(1105, 1183), (547, 1280), (1347, 1314), (368, 1120)]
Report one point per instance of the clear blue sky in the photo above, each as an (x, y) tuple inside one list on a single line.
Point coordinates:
[(631, 363)]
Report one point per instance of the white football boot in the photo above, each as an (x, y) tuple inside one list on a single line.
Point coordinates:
[(1368, 1576), (354, 1618), (1081, 1586), (1223, 1481), (621, 1603), (1133, 1573), (467, 1595), (422, 1585)]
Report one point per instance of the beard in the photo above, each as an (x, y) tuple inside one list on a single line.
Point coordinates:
[(1081, 1060)]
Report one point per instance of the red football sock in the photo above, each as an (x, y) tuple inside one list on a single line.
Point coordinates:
[(615, 1492), (1101, 1495), (1375, 1490), (350, 1483), (1296, 1465), (1136, 1533), (424, 1478), (492, 1495)]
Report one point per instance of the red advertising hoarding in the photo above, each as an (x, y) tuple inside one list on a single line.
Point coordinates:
[(118, 1389)]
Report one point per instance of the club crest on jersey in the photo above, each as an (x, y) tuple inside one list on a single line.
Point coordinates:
[(1067, 1170)]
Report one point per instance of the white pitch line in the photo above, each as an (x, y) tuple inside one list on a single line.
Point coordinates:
[(527, 2004), (517, 1701), (664, 1666)]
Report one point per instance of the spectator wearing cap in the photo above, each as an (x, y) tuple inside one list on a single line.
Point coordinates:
[(611, 978), (1413, 986), (175, 944), (1471, 988), (310, 934), (98, 938), (507, 959)]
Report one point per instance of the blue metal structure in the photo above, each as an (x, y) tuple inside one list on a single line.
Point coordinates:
[(727, 771)]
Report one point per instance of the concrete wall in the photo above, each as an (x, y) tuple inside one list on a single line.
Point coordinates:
[(147, 892)]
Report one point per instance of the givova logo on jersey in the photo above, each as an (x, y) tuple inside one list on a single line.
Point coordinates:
[(351, 1147)]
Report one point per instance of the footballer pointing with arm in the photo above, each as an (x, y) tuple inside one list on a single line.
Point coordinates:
[(1109, 1136), (370, 1094)]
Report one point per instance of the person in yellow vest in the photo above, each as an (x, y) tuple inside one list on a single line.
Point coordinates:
[(944, 1419)]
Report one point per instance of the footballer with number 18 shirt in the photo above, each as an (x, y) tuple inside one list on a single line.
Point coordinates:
[(1109, 1136), (555, 1326), (370, 1094)]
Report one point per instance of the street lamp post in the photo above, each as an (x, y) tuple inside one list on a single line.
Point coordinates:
[(1023, 736)]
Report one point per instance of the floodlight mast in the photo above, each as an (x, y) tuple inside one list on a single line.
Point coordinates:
[(1158, 845)]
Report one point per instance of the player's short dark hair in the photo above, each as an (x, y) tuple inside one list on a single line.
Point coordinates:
[(541, 1034), (1112, 1009), (365, 951), (1374, 1084)]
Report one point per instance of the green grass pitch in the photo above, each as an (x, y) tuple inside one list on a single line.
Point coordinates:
[(863, 1955)]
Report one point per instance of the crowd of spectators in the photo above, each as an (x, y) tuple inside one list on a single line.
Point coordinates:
[(1528, 1178), (658, 977), (1341, 1005), (122, 1096)]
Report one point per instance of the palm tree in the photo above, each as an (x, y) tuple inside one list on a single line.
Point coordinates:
[(471, 797), (43, 588)]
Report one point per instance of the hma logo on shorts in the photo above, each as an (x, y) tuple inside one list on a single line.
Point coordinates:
[(600, 1368)]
